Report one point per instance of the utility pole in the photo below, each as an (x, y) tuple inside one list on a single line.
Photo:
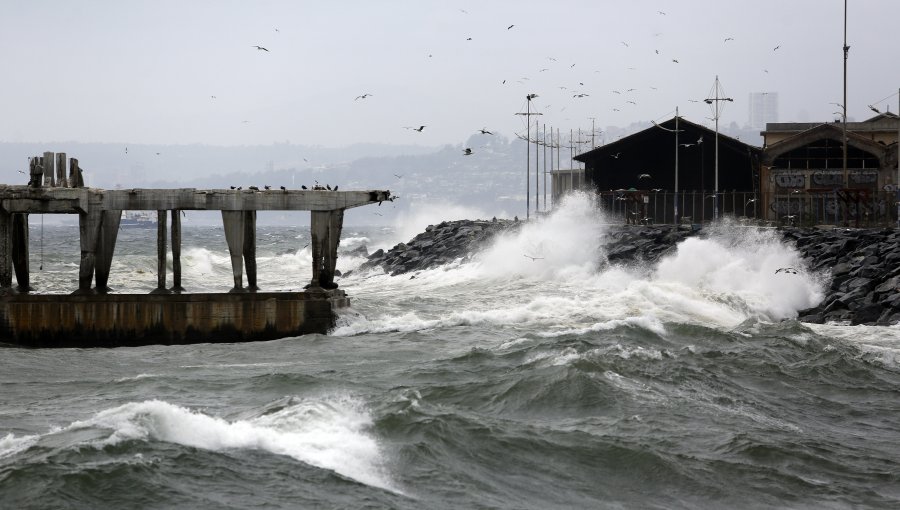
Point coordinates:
[(844, 105), (544, 138), (593, 131), (717, 88), (528, 115)]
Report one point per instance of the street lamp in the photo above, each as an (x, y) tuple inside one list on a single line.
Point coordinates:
[(676, 131)]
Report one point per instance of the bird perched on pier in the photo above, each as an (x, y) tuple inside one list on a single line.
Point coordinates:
[(233, 187), (267, 186), (467, 152), (254, 188), (303, 187), (283, 188), (260, 48), (328, 187), (335, 187)]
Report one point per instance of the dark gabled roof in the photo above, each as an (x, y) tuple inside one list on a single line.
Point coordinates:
[(882, 116), (689, 131)]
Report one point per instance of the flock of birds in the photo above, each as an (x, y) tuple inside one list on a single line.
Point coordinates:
[(316, 187)]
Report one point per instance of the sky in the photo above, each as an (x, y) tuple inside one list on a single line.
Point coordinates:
[(176, 72)]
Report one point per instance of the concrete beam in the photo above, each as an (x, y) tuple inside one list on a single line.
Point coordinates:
[(73, 200)]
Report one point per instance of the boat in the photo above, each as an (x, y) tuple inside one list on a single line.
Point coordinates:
[(138, 219)]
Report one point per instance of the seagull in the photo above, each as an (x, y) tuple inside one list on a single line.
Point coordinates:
[(419, 129), (328, 187), (283, 188), (533, 258), (468, 38), (267, 186), (729, 39), (632, 102), (260, 48), (675, 60), (485, 131), (467, 152), (254, 188), (398, 176), (625, 43), (362, 96), (750, 201), (303, 187), (616, 155), (686, 145), (335, 187), (876, 110), (510, 27), (644, 176), (788, 270), (661, 13), (776, 47), (212, 97)]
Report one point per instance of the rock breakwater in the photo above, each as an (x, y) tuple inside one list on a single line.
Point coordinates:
[(863, 264)]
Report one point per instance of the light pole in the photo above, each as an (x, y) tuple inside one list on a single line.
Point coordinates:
[(528, 115), (716, 88), (676, 131)]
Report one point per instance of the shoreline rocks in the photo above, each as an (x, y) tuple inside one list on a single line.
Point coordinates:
[(864, 264)]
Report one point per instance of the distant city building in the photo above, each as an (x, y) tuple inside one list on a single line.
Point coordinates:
[(763, 109)]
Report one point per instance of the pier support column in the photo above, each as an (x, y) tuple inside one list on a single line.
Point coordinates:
[(106, 245), (326, 236), (19, 243), (161, 253), (5, 251), (250, 249), (233, 221), (89, 231), (176, 251)]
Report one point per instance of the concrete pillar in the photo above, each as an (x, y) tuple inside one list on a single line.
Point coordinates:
[(250, 249), (19, 242), (89, 232), (61, 169), (176, 251), (36, 172), (160, 252), (326, 236), (106, 245), (233, 221), (5, 251), (49, 165)]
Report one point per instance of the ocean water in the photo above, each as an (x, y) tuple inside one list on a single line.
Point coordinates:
[(541, 381)]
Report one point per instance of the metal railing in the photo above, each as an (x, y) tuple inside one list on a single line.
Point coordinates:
[(797, 208)]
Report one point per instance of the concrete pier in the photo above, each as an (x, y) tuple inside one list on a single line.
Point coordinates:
[(92, 316)]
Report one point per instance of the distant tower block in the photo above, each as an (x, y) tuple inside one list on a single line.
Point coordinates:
[(763, 109)]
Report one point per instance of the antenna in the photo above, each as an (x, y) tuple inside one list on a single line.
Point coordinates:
[(528, 113), (717, 90)]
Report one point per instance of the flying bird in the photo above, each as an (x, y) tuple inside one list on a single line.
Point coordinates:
[(644, 176), (876, 110), (625, 44), (510, 27), (675, 60), (729, 39), (419, 129), (533, 258), (467, 152), (616, 155), (776, 47), (788, 270), (398, 176), (260, 48), (362, 96), (485, 131)]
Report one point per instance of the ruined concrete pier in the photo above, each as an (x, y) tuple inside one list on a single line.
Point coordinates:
[(92, 316)]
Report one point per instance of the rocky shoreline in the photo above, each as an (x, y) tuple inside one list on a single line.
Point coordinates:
[(864, 264)]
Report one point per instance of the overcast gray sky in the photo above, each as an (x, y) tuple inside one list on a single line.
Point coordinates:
[(147, 71)]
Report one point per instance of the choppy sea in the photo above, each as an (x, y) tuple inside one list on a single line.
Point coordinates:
[(528, 378)]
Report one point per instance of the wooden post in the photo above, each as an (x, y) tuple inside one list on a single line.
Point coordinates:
[(250, 249), (19, 243), (176, 251), (5, 252), (49, 159), (61, 170), (233, 221), (160, 252), (106, 245)]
